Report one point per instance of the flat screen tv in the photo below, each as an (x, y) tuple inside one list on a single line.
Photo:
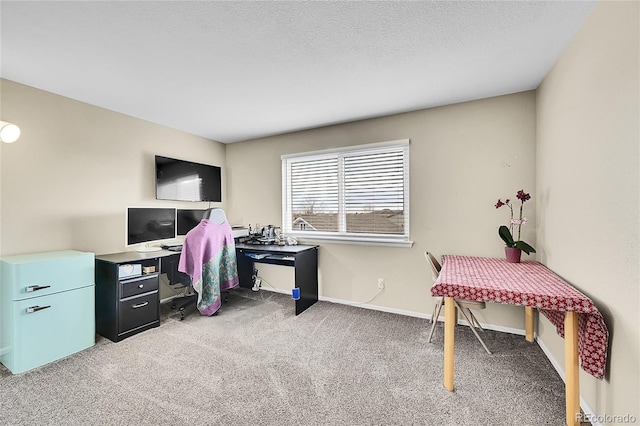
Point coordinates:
[(180, 180), (150, 224), (188, 219)]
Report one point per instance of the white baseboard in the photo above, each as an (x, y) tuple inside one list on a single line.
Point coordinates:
[(588, 412), (375, 307), (420, 315)]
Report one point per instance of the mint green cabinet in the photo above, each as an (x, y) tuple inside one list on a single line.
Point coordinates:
[(47, 307)]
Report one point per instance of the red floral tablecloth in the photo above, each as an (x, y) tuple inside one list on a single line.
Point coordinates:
[(528, 284)]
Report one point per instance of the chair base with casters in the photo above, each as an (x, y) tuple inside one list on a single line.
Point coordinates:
[(464, 307), (182, 302)]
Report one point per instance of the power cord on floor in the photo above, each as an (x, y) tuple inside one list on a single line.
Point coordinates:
[(262, 281), (258, 281), (370, 299)]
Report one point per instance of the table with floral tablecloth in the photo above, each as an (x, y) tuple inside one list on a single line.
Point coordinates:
[(532, 285)]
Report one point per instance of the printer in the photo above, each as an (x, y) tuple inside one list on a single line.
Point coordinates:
[(239, 232)]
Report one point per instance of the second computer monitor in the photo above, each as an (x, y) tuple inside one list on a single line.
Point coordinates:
[(188, 219)]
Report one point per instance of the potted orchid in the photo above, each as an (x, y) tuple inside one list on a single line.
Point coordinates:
[(514, 247)]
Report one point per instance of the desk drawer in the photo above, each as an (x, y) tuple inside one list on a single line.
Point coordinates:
[(138, 311), (139, 285)]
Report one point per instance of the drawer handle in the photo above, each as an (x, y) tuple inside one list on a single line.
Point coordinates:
[(140, 305), (33, 288), (141, 286), (32, 309)]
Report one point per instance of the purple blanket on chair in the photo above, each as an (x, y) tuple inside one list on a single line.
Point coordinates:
[(209, 258)]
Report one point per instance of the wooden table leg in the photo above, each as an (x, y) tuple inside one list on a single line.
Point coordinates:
[(528, 322), (449, 328), (572, 380)]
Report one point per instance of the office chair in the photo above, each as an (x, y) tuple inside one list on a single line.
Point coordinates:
[(464, 306), (177, 280), (191, 297), (186, 300)]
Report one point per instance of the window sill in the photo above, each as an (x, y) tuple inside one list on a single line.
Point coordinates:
[(353, 240)]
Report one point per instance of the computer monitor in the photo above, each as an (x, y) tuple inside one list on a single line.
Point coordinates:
[(147, 225), (188, 219)]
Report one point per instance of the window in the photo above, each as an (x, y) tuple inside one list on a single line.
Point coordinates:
[(357, 194)]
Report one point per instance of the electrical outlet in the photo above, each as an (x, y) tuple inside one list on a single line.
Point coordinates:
[(380, 282)]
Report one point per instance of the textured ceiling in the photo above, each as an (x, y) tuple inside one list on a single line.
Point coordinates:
[(232, 71)]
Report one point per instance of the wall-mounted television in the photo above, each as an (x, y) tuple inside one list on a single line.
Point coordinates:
[(180, 180), (150, 224)]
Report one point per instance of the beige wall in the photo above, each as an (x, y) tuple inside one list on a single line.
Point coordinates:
[(462, 158), (65, 184), (588, 189)]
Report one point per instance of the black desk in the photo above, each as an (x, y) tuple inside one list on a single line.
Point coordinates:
[(303, 258), (128, 306)]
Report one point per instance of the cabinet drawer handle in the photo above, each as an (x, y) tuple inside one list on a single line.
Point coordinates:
[(33, 288), (32, 309), (140, 305), (141, 286)]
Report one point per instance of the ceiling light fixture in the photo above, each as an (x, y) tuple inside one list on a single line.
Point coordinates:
[(9, 132)]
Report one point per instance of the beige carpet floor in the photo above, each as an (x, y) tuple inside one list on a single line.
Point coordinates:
[(256, 363)]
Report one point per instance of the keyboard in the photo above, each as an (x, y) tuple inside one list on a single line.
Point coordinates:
[(176, 247)]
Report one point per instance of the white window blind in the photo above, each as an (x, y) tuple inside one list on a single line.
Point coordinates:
[(359, 194)]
